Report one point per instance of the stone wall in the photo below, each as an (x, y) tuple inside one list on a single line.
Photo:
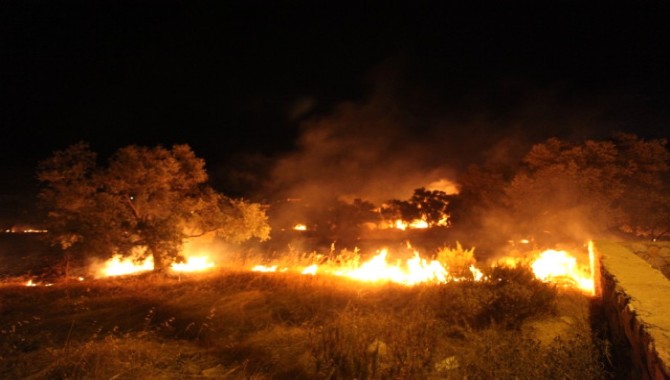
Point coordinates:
[(636, 302), (657, 254)]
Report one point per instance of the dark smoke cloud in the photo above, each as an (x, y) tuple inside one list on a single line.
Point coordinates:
[(406, 135), (367, 151)]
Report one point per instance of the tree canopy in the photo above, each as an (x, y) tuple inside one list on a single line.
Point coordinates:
[(428, 205), (589, 188), (149, 197)]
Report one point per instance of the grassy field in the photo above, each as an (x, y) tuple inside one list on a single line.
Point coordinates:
[(244, 325)]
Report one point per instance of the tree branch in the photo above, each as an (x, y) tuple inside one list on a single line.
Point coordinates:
[(201, 233), (133, 209)]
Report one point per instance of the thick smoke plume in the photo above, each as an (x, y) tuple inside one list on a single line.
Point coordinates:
[(361, 151), (405, 136)]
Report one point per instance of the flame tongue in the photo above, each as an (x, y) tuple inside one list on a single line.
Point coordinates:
[(193, 264), (416, 270), (549, 266), (119, 266), (555, 266)]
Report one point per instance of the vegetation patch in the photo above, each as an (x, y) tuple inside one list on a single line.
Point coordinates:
[(281, 325)]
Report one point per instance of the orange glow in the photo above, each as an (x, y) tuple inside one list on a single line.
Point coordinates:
[(401, 225), (477, 275), (549, 266), (379, 269), (133, 264), (559, 266), (415, 270), (422, 223), (193, 264), (263, 268), (418, 223), (300, 227), (310, 269), (32, 284), (555, 266), (119, 266)]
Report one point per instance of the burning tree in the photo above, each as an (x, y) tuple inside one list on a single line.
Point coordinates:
[(153, 198)]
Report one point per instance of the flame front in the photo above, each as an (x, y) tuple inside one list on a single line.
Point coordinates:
[(559, 266), (418, 224), (193, 264), (416, 270), (300, 227), (119, 265), (415, 224), (263, 268), (549, 266)]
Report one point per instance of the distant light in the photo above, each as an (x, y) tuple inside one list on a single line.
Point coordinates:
[(19, 230)]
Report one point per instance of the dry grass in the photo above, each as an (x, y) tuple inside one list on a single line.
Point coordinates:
[(242, 325)]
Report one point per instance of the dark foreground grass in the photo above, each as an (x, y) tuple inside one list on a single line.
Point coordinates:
[(254, 326)]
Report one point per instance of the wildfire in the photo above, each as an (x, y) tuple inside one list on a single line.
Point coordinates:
[(193, 264), (263, 268), (32, 284), (310, 269), (561, 267), (416, 270), (414, 224), (300, 227), (555, 266), (119, 265), (419, 224), (402, 225), (549, 266)]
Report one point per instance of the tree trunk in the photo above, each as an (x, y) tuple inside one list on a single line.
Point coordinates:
[(160, 265)]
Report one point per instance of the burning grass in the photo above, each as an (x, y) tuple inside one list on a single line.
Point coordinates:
[(228, 324)]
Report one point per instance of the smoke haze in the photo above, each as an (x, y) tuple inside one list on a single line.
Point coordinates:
[(405, 135)]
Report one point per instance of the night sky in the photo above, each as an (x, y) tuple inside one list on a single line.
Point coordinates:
[(249, 85)]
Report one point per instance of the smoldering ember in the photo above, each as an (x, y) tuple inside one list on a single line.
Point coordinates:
[(330, 191)]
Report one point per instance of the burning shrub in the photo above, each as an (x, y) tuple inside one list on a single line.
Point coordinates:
[(457, 261)]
